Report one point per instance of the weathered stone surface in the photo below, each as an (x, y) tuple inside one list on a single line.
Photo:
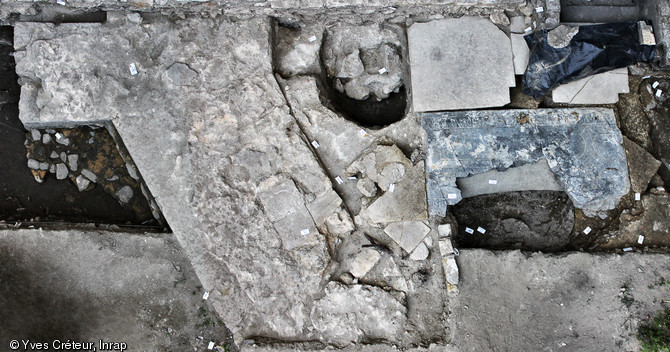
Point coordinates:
[(459, 64), (210, 160), (406, 202), (642, 166), (573, 141), (561, 36), (351, 314), (297, 50), (532, 220), (421, 252), (603, 88), (407, 234), (364, 61), (653, 224), (528, 177), (546, 302)]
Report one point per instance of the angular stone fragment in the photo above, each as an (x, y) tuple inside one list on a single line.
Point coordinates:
[(89, 175), (407, 234), (124, 194), (450, 268), (573, 141), (82, 183), (46, 138), (72, 161), (458, 64), (297, 51), (44, 166), (386, 274), (363, 262), (603, 88), (324, 206), (421, 252), (36, 135), (61, 139), (642, 166), (367, 187), (33, 164), (61, 171)]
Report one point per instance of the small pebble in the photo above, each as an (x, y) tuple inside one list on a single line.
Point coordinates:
[(54, 155), (46, 138), (72, 161), (44, 166), (82, 183), (125, 194), (61, 139), (132, 172), (63, 157)]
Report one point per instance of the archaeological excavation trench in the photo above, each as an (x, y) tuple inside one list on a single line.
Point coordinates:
[(315, 175)]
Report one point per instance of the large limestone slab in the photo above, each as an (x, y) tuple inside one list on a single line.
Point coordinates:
[(603, 88), (582, 147), (459, 63)]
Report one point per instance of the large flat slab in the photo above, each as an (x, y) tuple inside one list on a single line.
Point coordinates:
[(459, 63), (603, 88), (582, 147)]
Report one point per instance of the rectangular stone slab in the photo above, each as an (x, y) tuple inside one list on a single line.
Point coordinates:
[(582, 147), (459, 64)]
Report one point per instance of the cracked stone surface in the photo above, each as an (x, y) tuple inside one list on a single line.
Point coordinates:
[(459, 63), (603, 88), (573, 141)]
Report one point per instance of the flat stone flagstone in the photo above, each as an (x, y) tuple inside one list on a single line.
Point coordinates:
[(603, 88), (459, 63), (582, 146)]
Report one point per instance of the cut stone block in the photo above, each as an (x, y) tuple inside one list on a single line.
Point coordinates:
[(406, 202), (573, 141), (521, 53), (603, 88), (529, 177), (459, 64), (407, 234)]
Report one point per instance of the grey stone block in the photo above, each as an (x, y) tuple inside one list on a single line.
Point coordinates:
[(573, 141), (459, 64), (603, 88)]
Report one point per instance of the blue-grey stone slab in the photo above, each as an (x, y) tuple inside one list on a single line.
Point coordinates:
[(583, 148)]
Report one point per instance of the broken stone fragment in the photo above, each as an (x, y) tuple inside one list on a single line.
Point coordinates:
[(323, 206), (33, 164), (132, 172), (406, 202), (391, 173), (642, 166), (46, 138), (407, 234), (339, 223), (89, 175), (297, 52), (386, 274), (61, 139), (363, 262), (445, 246), (421, 252), (72, 161), (124, 194), (450, 268), (82, 183), (36, 135), (52, 168), (61, 171), (44, 166), (367, 187), (602, 88), (521, 53), (63, 157), (561, 36), (53, 155), (444, 230)]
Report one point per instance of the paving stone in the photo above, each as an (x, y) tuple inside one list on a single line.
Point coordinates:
[(406, 202), (421, 252), (521, 53), (363, 262), (459, 64), (407, 234), (603, 88), (465, 143)]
